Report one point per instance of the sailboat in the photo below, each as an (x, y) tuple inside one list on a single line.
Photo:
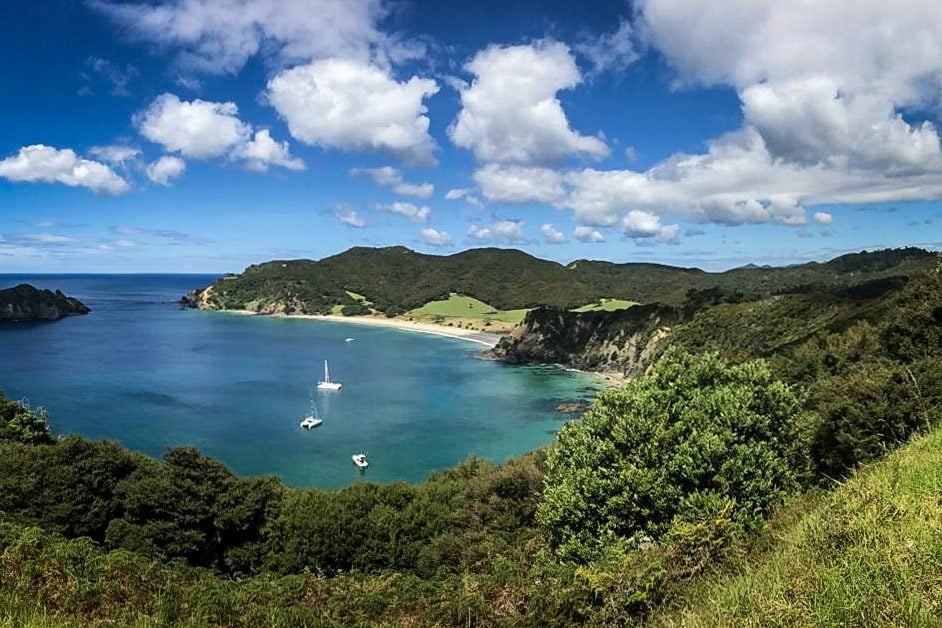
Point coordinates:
[(312, 420), (327, 384)]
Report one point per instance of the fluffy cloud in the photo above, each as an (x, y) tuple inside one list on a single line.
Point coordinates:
[(434, 237), (390, 177), (165, 169), (498, 232), (407, 210), (202, 129), (464, 193), (588, 234), (355, 105), (823, 218), (196, 129), (642, 225), (510, 112), (822, 96), (219, 37), (40, 163), (552, 235), (262, 151), (115, 154), (822, 93), (519, 184), (348, 216)]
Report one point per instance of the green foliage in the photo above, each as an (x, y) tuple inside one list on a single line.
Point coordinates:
[(192, 507), (18, 422), (354, 309), (672, 445), (505, 279)]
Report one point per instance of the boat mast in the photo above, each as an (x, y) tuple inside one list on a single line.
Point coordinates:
[(326, 373)]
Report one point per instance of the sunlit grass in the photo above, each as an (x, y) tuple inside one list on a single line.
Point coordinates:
[(869, 553), (606, 305)]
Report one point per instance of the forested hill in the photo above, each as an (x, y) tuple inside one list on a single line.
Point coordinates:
[(397, 279)]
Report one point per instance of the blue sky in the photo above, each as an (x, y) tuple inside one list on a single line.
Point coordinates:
[(203, 136)]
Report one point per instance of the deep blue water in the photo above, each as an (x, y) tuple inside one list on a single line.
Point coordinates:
[(143, 371)]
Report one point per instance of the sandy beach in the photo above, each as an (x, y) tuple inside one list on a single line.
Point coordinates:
[(480, 337)]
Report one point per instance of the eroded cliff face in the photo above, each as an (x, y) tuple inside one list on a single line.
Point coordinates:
[(622, 341), (26, 303)]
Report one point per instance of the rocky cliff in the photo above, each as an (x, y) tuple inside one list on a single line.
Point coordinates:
[(620, 341), (27, 303)]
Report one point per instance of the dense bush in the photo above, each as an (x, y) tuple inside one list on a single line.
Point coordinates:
[(354, 309), (694, 434)]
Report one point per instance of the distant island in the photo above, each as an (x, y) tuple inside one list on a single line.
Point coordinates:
[(28, 303), (590, 315)]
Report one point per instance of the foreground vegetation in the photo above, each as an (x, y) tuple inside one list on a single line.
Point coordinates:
[(701, 493)]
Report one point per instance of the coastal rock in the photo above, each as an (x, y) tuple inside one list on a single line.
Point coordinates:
[(621, 341), (27, 303), (572, 407)]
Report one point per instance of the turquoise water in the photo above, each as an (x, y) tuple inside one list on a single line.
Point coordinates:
[(143, 371)]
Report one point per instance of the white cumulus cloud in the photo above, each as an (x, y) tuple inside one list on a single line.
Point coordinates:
[(407, 210), (464, 193), (40, 163), (348, 216), (498, 232), (519, 184), (262, 151), (196, 129), (434, 237), (823, 218), (165, 169), (355, 105), (552, 235), (218, 37), (510, 112), (588, 234), (390, 177)]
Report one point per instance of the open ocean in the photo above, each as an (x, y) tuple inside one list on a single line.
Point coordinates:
[(145, 372)]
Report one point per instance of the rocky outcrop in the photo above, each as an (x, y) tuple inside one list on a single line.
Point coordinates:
[(199, 299), (27, 303), (620, 341)]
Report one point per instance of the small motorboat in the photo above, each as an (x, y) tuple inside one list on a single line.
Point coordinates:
[(349, 339), (360, 461)]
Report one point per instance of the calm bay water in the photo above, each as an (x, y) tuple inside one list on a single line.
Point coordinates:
[(143, 371)]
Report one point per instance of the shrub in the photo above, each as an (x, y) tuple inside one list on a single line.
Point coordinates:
[(694, 433)]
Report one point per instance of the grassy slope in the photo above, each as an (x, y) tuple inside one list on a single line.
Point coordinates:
[(467, 310), (606, 305), (868, 553)]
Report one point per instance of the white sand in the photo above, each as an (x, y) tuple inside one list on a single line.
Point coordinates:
[(480, 337)]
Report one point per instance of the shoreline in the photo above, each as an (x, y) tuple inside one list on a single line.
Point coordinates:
[(483, 338)]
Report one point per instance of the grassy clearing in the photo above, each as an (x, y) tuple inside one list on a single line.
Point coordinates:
[(465, 311), (606, 305), (868, 553)]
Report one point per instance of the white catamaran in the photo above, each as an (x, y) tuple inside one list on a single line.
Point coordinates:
[(327, 384), (312, 420)]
